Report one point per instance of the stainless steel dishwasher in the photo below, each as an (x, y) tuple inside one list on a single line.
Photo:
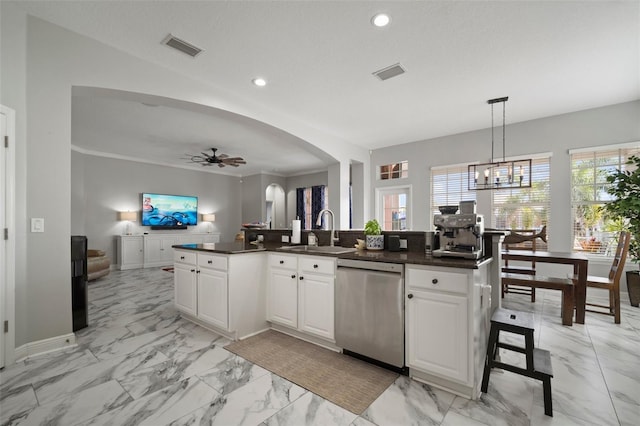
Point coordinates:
[(369, 310)]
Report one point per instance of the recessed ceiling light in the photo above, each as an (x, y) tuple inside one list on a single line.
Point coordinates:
[(381, 20), (260, 82)]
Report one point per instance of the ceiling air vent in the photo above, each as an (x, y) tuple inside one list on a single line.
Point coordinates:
[(181, 45), (389, 72)]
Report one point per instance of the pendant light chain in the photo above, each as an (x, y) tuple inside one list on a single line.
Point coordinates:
[(503, 131), (492, 157)]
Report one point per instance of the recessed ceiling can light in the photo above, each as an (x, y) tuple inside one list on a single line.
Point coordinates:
[(381, 20), (260, 82)]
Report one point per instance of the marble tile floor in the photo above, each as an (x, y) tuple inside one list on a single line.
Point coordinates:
[(139, 363)]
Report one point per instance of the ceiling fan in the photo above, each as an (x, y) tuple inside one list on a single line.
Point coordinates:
[(221, 160)]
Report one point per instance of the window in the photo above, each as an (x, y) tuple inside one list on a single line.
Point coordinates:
[(449, 187), (525, 208), (393, 208), (309, 202), (394, 171), (592, 232)]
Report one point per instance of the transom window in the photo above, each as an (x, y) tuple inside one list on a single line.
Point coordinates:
[(394, 171), (592, 231)]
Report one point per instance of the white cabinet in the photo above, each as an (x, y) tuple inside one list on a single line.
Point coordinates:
[(185, 287), (213, 296), (158, 250), (446, 327), (301, 293), (150, 250), (221, 291), (130, 251)]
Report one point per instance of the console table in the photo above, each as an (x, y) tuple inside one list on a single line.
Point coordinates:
[(151, 250)]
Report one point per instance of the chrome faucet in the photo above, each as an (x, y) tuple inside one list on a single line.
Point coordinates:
[(334, 236)]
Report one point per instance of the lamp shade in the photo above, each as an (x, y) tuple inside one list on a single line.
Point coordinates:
[(209, 217), (130, 216)]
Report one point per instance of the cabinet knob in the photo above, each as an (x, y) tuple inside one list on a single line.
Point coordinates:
[(282, 262), (434, 281), (410, 296), (209, 262), (181, 257), (301, 278), (198, 271), (315, 266), (193, 270), (293, 276)]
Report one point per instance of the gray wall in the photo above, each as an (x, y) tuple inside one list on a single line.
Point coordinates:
[(556, 135), (112, 185)]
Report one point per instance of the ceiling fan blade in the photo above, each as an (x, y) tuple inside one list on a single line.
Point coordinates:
[(233, 164), (220, 164), (240, 162), (222, 156), (234, 159)]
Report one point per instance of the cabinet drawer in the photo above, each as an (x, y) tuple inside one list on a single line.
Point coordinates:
[(436, 279), (184, 257), (212, 261), (287, 261), (317, 265)]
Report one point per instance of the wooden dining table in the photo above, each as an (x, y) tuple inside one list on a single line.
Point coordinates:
[(580, 264)]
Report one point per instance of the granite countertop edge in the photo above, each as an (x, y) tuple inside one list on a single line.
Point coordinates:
[(403, 257)]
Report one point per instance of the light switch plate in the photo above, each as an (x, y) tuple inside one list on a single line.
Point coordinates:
[(37, 224), (285, 239), (403, 244)]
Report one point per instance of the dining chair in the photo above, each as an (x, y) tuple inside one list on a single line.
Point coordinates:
[(612, 282), (513, 241)]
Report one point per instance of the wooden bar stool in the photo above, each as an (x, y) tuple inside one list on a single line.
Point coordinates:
[(538, 361)]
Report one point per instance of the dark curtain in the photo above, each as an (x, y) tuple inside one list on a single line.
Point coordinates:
[(317, 203), (300, 206)]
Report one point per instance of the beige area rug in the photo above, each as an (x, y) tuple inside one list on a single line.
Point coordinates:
[(348, 382)]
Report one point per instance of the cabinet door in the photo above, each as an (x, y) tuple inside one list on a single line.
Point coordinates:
[(132, 251), (152, 249), (316, 305), (185, 289), (282, 306), (437, 331), (166, 249), (213, 297)]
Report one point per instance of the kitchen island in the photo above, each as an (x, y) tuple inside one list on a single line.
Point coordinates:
[(242, 289)]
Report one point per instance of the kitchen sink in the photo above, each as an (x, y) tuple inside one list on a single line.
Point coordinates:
[(319, 249)]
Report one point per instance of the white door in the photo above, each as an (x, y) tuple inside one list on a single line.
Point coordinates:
[(213, 300), (8, 245), (282, 305), (441, 349), (3, 249), (393, 208), (185, 288), (316, 305)]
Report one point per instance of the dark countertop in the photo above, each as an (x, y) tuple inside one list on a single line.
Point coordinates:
[(419, 258), (224, 248)]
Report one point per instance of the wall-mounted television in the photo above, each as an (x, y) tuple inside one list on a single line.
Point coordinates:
[(163, 211)]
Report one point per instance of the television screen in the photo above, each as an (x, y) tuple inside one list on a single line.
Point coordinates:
[(170, 211)]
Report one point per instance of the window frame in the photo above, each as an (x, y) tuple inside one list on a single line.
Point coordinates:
[(392, 190)]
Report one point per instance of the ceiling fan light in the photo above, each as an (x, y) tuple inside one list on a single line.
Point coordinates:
[(259, 81)]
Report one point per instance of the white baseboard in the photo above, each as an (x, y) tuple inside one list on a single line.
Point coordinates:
[(40, 347)]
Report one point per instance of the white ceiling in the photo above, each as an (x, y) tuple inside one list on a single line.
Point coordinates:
[(549, 57)]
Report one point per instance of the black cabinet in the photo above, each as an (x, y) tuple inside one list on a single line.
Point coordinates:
[(79, 291)]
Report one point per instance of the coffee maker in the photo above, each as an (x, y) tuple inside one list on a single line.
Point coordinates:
[(458, 235)]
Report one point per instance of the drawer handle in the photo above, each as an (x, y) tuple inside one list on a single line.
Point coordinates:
[(193, 270), (282, 262), (293, 276), (315, 266), (434, 281), (410, 296), (301, 278), (209, 262), (181, 257), (198, 271)]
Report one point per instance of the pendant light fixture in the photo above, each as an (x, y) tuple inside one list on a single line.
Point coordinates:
[(499, 174)]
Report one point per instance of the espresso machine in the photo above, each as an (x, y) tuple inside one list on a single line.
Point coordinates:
[(458, 235)]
